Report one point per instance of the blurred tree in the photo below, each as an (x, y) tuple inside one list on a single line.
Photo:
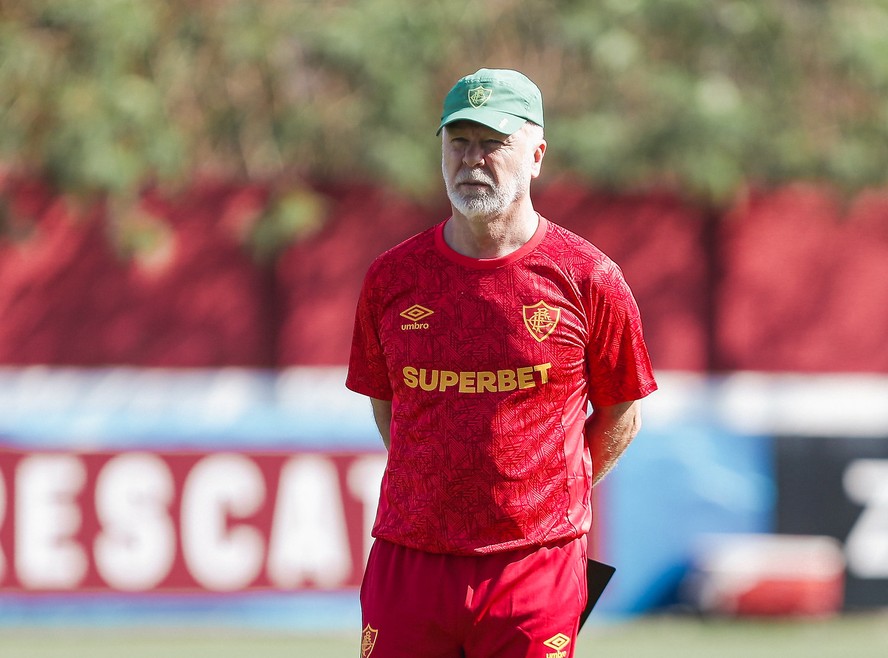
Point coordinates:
[(106, 96)]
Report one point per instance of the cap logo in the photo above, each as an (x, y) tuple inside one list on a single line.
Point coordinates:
[(479, 95)]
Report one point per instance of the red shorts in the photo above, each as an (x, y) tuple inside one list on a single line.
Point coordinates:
[(517, 604)]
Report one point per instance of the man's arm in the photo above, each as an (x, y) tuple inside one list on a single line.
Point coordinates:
[(382, 414), (609, 431)]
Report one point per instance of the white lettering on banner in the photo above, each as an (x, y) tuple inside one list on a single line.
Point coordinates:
[(46, 518), (866, 548), (137, 543), (220, 555), (309, 539), (140, 521), (364, 479)]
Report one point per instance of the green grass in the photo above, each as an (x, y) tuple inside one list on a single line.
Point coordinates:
[(857, 636), (669, 637)]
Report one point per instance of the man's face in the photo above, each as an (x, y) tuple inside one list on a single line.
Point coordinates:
[(486, 171)]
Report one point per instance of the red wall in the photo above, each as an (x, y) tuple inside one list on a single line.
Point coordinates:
[(67, 298), (805, 283), (794, 279)]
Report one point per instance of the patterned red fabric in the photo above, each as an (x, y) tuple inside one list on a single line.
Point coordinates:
[(490, 365)]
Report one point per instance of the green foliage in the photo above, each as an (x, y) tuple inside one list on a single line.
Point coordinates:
[(293, 215), (703, 97)]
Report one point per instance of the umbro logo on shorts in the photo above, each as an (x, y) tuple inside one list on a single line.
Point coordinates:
[(557, 642)]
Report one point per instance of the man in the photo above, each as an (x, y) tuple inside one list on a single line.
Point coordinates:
[(481, 343)]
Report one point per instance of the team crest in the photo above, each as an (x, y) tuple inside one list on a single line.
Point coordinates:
[(479, 95), (541, 320), (368, 640)]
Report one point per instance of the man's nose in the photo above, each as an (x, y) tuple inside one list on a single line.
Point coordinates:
[(474, 155)]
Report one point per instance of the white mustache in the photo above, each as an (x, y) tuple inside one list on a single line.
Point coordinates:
[(476, 177)]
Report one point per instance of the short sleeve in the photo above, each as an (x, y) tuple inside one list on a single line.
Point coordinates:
[(367, 368), (619, 365)]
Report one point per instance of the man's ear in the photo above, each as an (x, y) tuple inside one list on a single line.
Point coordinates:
[(538, 154)]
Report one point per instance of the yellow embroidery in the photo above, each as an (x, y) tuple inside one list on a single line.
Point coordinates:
[(482, 381), (416, 313), (557, 642), (541, 320), (368, 640), (479, 95)]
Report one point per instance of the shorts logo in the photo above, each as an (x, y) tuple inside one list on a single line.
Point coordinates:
[(541, 320), (368, 640), (479, 95), (557, 642)]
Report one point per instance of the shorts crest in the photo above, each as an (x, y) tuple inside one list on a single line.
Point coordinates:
[(368, 640)]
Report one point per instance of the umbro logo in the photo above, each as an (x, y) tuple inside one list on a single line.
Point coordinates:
[(416, 313), (557, 642)]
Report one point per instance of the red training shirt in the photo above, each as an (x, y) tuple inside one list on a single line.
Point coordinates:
[(490, 365)]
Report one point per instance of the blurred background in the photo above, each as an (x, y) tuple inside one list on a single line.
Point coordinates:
[(191, 192)]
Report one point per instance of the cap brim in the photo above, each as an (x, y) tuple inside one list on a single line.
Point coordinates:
[(502, 122)]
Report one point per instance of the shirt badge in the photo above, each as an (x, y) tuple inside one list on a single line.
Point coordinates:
[(541, 320)]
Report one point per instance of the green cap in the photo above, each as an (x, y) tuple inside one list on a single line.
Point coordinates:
[(498, 98)]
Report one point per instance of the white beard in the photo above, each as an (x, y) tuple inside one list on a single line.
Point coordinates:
[(486, 202)]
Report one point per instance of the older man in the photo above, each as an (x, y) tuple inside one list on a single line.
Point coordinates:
[(481, 343)]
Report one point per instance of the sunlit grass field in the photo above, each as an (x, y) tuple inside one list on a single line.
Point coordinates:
[(850, 636)]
